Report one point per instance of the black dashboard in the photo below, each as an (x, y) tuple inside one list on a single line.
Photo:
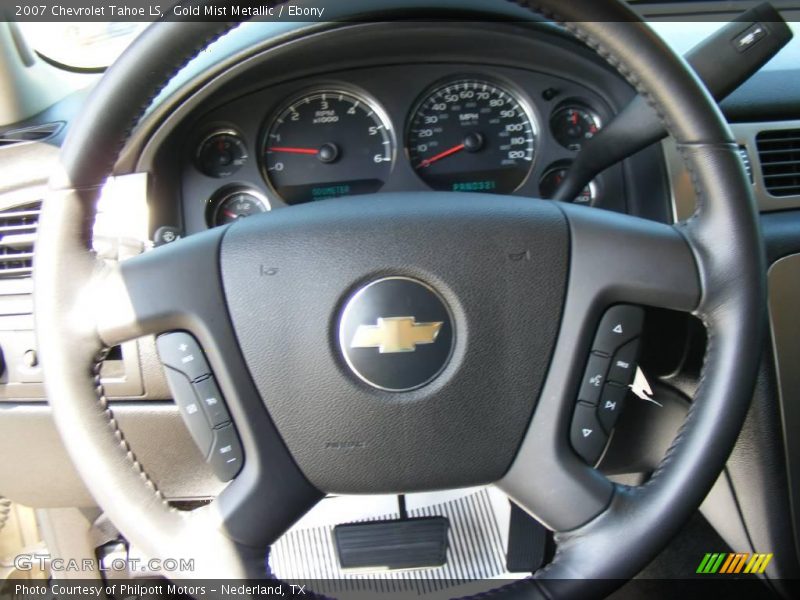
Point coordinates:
[(211, 152), (488, 115), (395, 128)]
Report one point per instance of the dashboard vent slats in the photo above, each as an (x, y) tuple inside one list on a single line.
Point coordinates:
[(779, 153), (35, 133), (18, 228)]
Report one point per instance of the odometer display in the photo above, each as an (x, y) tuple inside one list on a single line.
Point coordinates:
[(327, 144), (472, 136)]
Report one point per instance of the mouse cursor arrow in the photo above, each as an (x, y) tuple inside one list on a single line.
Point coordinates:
[(641, 387)]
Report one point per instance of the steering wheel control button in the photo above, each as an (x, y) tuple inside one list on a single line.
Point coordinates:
[(586, 434), (611, 404), (181, 352), (201, 403), (190, 408), (396, 334), (619, 325), (593, 379), (623, 364), (210, 399), (226, 453)]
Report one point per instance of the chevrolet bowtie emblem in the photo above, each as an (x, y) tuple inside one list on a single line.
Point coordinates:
[(396, 334)]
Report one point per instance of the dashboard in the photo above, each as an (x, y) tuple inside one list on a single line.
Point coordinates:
[(397, 122), (213, 155), (455, 128)]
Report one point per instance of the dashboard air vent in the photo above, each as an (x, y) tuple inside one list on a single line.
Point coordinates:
[(17, 234), (36, 133), (779, 153)]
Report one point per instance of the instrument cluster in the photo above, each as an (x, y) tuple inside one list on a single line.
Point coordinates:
[(471, 132)]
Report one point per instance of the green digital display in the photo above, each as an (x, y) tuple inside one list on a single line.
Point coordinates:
[(333, 191), (475, 186)]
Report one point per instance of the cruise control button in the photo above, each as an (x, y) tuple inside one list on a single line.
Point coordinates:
[(226, 453), (190, 409), (611, 403), (210, 399), (180, 351), (593, 379), (618, 326), (586, 434), (623, 364)]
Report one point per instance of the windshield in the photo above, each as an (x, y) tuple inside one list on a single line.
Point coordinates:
[(95, 45), (81, 45)]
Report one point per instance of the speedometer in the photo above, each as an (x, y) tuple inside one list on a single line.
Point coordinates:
[(326, 144), (472, 136)]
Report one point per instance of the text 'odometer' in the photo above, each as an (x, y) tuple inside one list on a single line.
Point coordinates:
[(473, 136), (327, 144)]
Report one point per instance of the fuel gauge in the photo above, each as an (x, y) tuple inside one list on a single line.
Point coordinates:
[(232, 204)]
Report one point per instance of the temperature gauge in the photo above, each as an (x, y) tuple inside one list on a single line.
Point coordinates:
[(221, 154)]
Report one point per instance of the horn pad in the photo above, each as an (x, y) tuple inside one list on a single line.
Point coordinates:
[(399, 341)]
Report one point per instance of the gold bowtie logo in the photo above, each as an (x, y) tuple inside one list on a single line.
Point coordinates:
[(396, 334)]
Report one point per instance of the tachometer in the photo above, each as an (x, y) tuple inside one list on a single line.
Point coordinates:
[(473, 136), (326, 144)]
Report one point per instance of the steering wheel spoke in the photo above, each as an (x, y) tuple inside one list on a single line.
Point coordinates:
[(618, 258), (174, 287), (614, 259), (178, 288)]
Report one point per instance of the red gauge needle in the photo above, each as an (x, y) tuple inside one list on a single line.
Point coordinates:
[(293, 150), (429, 161), (230, 214)]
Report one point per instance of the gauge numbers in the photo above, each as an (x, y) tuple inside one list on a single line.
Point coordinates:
[(472, 136), (327, 144)]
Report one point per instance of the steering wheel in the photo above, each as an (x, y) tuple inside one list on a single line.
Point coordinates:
[(510, 289)]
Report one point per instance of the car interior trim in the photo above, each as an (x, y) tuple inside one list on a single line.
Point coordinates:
[(784, 297), (683, 196)]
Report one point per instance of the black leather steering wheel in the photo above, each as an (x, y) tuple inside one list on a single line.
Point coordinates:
[(499, 411)]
